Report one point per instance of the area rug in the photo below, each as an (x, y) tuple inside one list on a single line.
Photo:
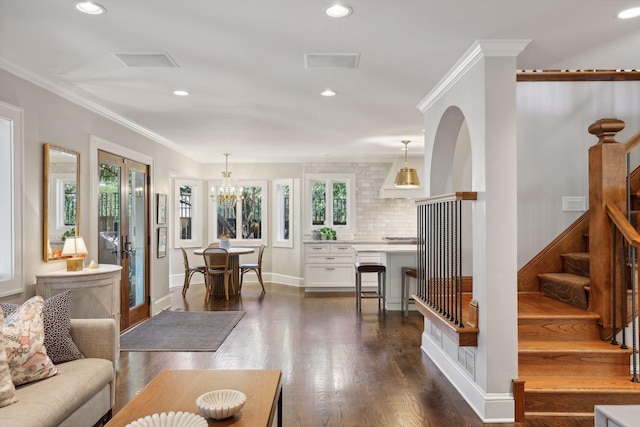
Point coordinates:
[(181, 331)]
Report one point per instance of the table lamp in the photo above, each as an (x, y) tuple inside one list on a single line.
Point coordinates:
[(74, 246)]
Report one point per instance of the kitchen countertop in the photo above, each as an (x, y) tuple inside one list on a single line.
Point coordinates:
[(349, 242), (385, 248)]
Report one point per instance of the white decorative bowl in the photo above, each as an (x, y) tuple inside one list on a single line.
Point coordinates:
[(171, 419), (220, 404)]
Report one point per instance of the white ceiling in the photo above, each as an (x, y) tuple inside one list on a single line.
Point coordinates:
[(243, 62)]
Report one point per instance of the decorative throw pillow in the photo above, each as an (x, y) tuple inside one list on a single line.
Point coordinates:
[(7, 389), (57, 327), (23, 334)]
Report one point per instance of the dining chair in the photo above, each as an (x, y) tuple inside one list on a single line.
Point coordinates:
[(245, 268), (214, 245), (189, 272), (216, 261)]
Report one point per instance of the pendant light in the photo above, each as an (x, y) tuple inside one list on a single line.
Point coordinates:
[(407, 177)]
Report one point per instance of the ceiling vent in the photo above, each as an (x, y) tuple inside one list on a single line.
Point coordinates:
[(331, 60), (146, 60)]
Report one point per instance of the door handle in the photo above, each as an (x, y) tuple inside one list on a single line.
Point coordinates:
[(127, 250)]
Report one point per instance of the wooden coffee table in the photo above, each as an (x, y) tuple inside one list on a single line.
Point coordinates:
[(177, 390)]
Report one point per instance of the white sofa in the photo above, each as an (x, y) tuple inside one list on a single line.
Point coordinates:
[(82, 393)]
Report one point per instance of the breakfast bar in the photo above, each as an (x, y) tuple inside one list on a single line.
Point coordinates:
[(394, 257)]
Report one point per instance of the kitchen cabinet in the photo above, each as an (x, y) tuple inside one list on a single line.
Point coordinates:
[(329, 267)]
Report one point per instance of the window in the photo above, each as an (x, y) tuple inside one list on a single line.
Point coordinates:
[(246, 220), (11, 280), (283, 212), (188, 213), (330, 202)]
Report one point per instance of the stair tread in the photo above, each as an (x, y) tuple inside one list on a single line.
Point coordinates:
[(536, 305), (567, 277), (586, 383), (581, 346), (576, 254)]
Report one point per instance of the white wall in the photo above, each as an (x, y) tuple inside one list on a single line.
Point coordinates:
[(51, 118), (481, 87), (553, 144)]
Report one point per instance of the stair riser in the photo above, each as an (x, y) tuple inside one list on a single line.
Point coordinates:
[(558, 330), (575, 265), (573, 364), (574, 402)]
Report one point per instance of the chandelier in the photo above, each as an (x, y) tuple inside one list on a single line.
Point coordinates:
[(226, 196), (407, 177)]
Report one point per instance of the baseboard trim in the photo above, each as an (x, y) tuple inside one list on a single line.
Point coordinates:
[(490, 407), (176, 281)]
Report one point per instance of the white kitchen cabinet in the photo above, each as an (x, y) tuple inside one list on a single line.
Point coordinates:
[(329, 267)]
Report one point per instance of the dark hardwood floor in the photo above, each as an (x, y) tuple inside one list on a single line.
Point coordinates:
[(338, 368)]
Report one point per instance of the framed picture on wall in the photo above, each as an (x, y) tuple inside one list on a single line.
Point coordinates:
[(162, 208), (162, 242)]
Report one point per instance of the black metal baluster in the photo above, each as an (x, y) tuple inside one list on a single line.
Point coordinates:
[(625, 254), (634, 312), (613, 284)]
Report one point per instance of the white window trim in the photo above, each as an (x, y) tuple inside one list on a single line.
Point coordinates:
[(196, 210), (278, 214), (213, 214), (329, 178), (13, 245)]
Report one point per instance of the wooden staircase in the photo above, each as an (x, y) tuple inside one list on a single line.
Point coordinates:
[(566, 368)]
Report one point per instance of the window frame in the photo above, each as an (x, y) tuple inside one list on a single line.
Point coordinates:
[(196, 211), (329, 179), (279, 213), (12, 251), (213, 214)]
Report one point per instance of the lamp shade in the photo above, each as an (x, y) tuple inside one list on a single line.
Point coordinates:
[(407, 178), (73, 246)]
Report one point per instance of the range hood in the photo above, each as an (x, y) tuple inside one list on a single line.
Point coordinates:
[(389, 190)]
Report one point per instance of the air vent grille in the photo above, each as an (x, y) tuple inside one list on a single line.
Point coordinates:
[(146, 60), (331, 60)]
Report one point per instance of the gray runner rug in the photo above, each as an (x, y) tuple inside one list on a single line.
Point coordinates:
[(181, 331)]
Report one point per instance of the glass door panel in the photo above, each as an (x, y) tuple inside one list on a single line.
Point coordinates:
[(136, 240), (123, 227)]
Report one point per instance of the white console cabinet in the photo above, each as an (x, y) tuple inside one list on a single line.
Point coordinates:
[(329, 267), (95, 293)]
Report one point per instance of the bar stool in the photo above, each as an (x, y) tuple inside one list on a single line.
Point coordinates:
[(362, 268), (406, 299)]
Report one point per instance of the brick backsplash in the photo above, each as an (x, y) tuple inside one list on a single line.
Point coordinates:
[(375, 217)]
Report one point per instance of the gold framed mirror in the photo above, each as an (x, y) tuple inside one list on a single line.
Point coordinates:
[(61, 194)]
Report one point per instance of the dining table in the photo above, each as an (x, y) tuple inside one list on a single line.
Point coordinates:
[(234, 266)]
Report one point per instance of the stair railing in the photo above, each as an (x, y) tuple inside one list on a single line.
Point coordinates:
[(610, 230), (440, 237), (624, 255)]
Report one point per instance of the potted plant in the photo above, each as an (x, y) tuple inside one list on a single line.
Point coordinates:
[(328, 233)]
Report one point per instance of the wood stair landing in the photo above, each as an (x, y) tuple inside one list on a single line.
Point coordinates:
[(565, 366)]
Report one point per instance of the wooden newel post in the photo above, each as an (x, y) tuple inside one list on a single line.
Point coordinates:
[(607, 184)]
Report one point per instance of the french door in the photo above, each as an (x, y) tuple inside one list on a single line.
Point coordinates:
[(123, 231)]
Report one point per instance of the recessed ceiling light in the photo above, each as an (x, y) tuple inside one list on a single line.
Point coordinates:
[(90, 8), (181, 92), (338, 11), (629, 13), (328, 92)]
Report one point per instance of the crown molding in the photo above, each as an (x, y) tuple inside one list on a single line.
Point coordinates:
[(479, 49), (72, 96)]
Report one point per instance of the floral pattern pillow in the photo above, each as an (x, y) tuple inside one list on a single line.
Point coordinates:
[(7, 389), (57, 327), (23, 340)]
